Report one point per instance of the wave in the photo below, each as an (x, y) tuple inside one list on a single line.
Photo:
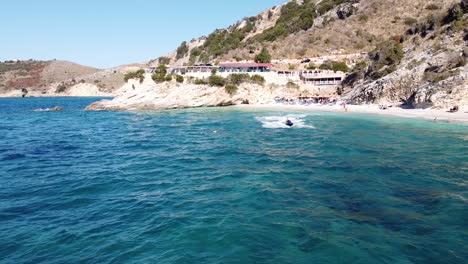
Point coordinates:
[(280, 121)]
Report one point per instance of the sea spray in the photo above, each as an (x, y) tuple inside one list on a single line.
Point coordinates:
[(280, 121)]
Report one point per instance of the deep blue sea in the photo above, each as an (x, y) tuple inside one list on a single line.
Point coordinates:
[(224, 185)]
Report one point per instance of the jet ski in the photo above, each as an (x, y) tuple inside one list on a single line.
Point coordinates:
[(289, 123)]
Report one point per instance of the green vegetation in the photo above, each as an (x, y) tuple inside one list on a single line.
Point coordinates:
[(182, 50), (334, 66), (385, 58), (257, 79), (232, 82), (432, 7), (61, 88), (179, 78), (311, 66), (231, 89), (363, 18), (238, 78), (159, 75), (409, 21), (139, 75), (164, 60), (327, 5), (439, 75), (454, 18), (273, 33), (168, 78), (455, 13), (221, 42), (215, 80), (292, 85), (294, 18), (200, 82), (194, 54), (263, 57)]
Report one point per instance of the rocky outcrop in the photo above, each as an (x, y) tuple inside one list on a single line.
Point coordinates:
[(432, 71), (172, 95), (346, 10)]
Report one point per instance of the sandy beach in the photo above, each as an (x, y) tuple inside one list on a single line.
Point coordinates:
[(430, 114)]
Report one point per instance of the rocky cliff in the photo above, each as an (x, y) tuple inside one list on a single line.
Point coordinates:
[(172, 95), (432, 70)]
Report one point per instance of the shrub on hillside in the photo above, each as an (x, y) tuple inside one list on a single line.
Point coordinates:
[(292, 85), (432, 7), (257, 79), (312, 66), (139, 75), (182, 50), (168, 78), (61, 88), (200, 82), (238, 78), (231, 88), (386, 56), (159, 75), (164, 60), (409, 21), (334, 66), (179, 78), (263, 57), (294, 17), (326, 5), (363, 18), (215, 80)]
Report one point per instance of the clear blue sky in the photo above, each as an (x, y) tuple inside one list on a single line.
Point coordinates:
[(106, 33)]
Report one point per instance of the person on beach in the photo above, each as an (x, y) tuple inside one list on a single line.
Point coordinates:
[(344, 106)]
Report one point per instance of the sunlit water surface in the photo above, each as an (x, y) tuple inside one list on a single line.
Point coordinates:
[(222, 185)]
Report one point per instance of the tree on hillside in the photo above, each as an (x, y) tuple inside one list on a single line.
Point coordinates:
[(140, 75), (263, 57), (182, 50), (159, 75)]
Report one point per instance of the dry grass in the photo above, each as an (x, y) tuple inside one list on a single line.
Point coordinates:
[(384, 19)]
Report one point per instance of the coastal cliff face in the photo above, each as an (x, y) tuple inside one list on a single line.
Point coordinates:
[(433, 69), (429, 70), (172, 95)]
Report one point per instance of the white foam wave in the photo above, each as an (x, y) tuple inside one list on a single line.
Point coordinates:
[(280, 121)]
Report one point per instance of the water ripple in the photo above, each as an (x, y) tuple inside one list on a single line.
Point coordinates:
[(224, 186)]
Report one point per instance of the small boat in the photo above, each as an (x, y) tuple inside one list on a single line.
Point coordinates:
[(289, 123)]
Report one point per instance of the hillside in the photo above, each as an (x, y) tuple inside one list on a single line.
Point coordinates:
[(394, 52), (45, 78), (427, 37), (311, 28)]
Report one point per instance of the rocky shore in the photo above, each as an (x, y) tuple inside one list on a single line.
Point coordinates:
[(151, 96)]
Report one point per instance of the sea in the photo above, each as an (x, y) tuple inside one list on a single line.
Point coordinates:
[(228, 185)]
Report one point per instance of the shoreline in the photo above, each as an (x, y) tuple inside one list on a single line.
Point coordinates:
[(58, 96), (460, 117), (426, 114)]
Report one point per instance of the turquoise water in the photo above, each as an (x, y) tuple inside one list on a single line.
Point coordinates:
[(228, 186)]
